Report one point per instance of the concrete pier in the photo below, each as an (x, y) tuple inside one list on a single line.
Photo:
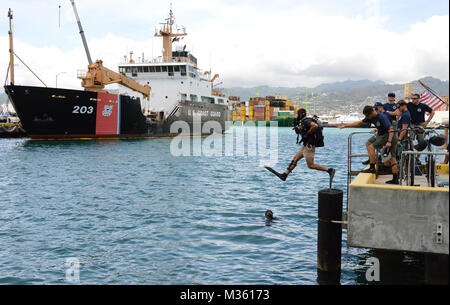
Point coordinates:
[(399, 218), (402, 219)]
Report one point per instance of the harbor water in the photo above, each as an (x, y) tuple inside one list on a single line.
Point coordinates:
[(132, 213)]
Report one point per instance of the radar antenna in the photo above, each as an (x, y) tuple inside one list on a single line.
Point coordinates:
[(166, 32)]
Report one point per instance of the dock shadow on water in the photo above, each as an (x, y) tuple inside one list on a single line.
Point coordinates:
[(130, 212)]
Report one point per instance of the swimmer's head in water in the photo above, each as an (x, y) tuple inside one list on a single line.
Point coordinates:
[(269, 214)]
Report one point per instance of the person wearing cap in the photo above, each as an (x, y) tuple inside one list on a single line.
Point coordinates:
[(379, 108), (403, 124), (390, 109), (385, 139), (417, 111)]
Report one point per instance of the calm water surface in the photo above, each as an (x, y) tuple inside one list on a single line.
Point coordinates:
[(132, 213)]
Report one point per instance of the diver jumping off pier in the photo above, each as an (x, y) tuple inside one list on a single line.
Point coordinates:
[(312, 137)]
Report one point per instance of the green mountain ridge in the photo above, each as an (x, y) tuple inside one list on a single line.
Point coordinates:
[(336, 97), (342, 96)]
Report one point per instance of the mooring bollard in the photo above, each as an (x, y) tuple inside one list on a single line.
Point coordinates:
[(329, 237)]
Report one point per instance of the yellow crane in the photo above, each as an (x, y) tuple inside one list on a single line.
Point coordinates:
[(214, 78), (98, 76)]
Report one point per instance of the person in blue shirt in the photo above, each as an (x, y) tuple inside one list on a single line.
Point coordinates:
[(405, 120), (417, 111), (383, 140), (403, 124), (390, 109), (380, 109)]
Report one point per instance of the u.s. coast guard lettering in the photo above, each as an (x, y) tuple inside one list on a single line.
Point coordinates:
[(215, 114)]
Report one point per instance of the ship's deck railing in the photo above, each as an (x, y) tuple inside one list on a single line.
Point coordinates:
[(350, 172), (82, 73), (410, 173), (405, 175), (157, 60)]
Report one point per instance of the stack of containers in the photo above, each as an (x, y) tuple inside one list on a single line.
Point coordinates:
[(285, 114), (259, 112), (281, 97), (271, 114), (256, 107), (275, 113), (289, 105), (251, 112), (237, 108), (243, 112)]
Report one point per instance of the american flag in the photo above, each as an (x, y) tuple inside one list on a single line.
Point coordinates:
[(431, 101)]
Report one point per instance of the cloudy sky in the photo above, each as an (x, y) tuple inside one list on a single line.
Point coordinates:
[(248, 42)]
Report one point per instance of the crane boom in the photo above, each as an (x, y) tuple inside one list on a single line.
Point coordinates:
[(98, 76), (214, 78), (80, 27)]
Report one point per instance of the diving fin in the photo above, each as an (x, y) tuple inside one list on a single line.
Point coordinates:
[(282, 176), (331, 172)]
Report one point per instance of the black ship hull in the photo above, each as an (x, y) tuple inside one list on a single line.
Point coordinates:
[(51, 113)]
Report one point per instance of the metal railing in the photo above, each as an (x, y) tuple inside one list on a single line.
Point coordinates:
[(82, 73), (174, 110), (350, 155), (411, 172)]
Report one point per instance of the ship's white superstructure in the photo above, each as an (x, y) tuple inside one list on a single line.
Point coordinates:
[(174, 77)]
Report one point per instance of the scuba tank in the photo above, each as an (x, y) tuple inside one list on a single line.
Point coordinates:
[(300, 129)]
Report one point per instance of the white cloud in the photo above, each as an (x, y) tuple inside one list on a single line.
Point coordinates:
[(296, 47)]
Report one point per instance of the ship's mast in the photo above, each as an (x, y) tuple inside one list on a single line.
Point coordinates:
[(11, 50), (166, 32), (88, 54)]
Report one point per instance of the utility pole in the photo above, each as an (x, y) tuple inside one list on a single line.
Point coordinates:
[(11, 49), (306, 100), (312, 97)]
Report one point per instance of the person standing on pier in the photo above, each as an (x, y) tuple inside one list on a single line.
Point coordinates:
[(312, 137), (417, 111), (390, 109), (384, 139), (404, 122)]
